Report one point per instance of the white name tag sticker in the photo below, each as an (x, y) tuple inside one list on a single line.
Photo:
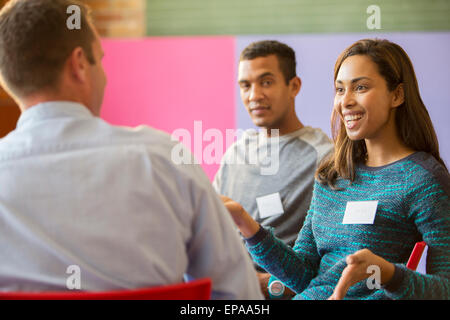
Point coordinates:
[(269, 205), (360, 212)]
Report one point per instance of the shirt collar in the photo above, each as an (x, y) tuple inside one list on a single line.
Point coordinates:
[(53, 109)]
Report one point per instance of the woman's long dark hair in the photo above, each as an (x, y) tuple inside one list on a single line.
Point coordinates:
[(412, 119)]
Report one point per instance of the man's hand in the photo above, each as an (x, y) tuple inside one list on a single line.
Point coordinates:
[(243, 220), (356, 270)]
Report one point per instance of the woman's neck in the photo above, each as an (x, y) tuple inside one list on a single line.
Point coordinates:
[(386, 149)]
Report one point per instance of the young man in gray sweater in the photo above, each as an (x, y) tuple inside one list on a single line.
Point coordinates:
[(271, 172)]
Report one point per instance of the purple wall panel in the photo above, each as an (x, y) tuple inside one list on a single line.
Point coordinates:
[(317, 54)]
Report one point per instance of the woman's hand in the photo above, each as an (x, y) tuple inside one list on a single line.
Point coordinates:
[(358, 269), (243, 220)]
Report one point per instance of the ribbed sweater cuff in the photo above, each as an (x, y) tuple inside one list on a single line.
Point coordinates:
[(258, 237), (396, 280)]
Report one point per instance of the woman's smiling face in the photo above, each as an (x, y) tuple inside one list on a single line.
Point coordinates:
[(363, 100)]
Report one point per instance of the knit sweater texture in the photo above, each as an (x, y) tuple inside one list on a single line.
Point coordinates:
[(413, 205)]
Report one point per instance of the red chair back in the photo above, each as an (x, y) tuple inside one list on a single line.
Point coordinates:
[(194, 290)]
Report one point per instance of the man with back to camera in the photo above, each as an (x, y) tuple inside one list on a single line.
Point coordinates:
[(78, 191), (277, 189)]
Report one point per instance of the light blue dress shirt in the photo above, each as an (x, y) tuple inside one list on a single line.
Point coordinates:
[(77, 191)]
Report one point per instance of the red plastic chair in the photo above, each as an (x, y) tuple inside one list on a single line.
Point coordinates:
[(194, 290), (417, 259)]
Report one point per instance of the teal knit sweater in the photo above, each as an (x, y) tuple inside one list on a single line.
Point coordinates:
[(414, 205)]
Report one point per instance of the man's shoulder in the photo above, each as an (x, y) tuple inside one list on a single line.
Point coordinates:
[(169, 155), (142, 132), (317, 139), (144, 135), (314, 136)]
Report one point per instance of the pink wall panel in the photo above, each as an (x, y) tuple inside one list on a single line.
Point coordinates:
[(168, 83)]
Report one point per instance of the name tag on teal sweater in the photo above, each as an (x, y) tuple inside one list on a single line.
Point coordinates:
[(360, 212)]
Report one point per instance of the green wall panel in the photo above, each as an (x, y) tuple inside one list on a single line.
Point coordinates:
[(234, 17)]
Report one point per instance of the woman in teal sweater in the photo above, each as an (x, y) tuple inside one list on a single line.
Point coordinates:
[(384, 189)]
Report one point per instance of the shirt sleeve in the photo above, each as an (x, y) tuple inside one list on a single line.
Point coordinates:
[(218, 179), (216, 250), (296, 266), (429, 207)]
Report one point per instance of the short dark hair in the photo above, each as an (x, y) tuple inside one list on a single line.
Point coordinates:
[(284, 53), (35, 42)]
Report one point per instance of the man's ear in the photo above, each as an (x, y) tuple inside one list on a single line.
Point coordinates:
[(399, 96), (295, 84), (77, 63)]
